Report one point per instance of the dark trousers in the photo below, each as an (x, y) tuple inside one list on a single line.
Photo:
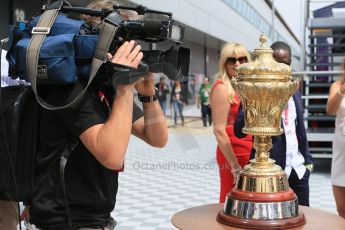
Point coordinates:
[(206, 114), (178, 109), (300, 186), (163, 104)]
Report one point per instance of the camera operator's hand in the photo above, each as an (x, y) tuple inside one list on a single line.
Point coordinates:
[(146, 86), (127, 54)]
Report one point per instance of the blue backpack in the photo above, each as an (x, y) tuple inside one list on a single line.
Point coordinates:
[(58, 56), (50, 50)]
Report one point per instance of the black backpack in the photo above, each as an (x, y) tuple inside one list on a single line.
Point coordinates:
[(19, 113)]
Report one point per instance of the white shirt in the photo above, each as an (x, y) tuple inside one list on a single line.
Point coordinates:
[(294, 159), (5, 79)]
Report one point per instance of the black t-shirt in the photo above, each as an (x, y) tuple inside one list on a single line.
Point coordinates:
[(90, 187)]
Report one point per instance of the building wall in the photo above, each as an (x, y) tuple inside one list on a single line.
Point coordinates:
[(5, 18), (16, 10), (209, 24), (212, 61), (226, 20)]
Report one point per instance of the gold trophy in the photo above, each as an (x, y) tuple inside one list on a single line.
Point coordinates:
[(262, 198)]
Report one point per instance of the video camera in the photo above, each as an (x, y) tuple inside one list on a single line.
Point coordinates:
[(173, 62)]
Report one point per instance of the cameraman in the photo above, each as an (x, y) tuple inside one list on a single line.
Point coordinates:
[(90, 177), (96, 132)]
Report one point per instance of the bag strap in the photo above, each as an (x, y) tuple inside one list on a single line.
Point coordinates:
[(41, 30), (63, 161)]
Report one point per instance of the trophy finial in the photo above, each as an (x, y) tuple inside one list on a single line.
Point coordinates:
[(263, 40), (263, 64)]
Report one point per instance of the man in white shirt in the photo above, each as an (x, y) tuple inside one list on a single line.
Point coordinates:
[(298, 160)]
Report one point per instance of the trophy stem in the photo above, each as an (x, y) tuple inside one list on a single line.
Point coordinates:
[(262, 145)]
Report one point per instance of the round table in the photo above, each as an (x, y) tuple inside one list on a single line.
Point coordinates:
[(204, 218)]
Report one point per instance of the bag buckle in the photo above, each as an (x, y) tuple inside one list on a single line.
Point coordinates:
[(40, 30)]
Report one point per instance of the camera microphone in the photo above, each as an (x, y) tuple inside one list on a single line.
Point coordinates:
[(148, 29), (152, 30)]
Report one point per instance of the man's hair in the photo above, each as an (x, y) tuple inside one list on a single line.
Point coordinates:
[(279, 45), (106, 4)]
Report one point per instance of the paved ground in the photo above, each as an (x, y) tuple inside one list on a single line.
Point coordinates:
[(157, 183)]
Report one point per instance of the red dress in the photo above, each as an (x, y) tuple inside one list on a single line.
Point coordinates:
[(241, 146)]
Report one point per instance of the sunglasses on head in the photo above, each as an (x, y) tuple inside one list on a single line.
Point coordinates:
[(232, 60)]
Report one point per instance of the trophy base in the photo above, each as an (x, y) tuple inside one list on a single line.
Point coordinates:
[(256, 210), (260, 224)]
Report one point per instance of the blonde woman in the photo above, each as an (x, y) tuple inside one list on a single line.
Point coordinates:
[(336, 106), (232, 153)]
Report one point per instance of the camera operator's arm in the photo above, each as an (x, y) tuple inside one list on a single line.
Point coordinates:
[(108, 142), (152, 128)]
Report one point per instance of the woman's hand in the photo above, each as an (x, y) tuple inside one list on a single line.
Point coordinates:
[(235, 171)]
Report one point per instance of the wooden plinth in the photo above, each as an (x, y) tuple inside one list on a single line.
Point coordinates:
[(205, 218)]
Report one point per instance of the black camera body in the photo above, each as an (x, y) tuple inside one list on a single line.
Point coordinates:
[(173, 62)]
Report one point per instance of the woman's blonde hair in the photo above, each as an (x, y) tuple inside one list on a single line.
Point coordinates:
[(230, 50), (106, 4)]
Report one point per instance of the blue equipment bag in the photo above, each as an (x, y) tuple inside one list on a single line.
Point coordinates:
[(56, 54), (59, 55), (49, 50)]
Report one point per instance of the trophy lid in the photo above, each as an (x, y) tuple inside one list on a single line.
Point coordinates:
[(264, 63)]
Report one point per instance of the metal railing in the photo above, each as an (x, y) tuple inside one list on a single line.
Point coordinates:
[(314, 79)]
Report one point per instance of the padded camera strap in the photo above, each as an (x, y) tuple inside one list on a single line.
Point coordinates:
[(39, 33)]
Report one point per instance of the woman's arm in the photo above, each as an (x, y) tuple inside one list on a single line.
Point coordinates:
[(335, 97), (220, 110)]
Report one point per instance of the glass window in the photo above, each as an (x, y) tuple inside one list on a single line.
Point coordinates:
[(275, 36), (235, 3), (246, 10), (239, 7), (252, 15)]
